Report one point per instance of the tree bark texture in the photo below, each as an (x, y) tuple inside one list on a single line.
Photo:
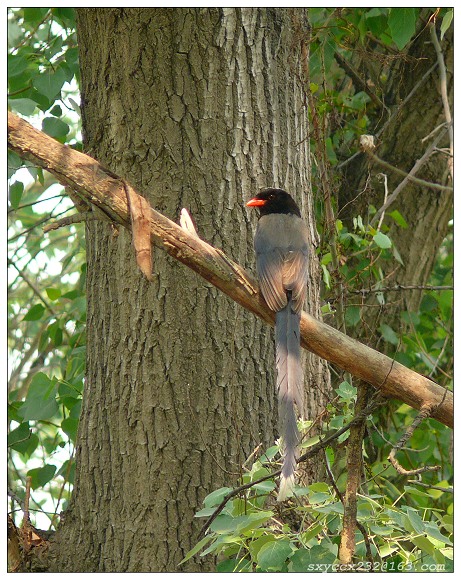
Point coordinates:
[(198, 108)]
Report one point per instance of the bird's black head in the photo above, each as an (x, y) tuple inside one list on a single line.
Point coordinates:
[(274, 201)]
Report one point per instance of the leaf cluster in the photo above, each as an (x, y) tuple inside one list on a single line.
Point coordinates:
[(255, 534), (47, 306)]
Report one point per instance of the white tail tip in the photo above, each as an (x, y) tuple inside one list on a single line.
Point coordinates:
[(286, 488)]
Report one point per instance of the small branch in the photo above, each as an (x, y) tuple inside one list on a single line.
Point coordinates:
[(433, 132), (408, 176), (104, 190), (75, 218), (386, 193), (426, 412), (17, 499), (357, 80), (447, 489), (443, 91), (32, 286), (354, 468), (398, 287)]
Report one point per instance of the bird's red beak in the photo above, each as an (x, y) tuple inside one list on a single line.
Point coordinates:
[(256, 202)]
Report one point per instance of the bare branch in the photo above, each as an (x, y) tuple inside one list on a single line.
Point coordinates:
[(103, 189), (72, 219), (426, 411), (398, 287), (408, 176)]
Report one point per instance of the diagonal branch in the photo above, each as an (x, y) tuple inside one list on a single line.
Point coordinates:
[(100, 187)]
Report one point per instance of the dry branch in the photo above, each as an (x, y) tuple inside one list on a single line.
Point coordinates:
[(100, 187)]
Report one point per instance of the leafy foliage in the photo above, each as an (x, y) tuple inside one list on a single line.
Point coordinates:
[(303, 537), (46, 312)]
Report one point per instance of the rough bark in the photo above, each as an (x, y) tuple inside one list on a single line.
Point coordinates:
[(198, 109)]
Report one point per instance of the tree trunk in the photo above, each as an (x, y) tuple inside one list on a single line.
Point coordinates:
[(197, 108)]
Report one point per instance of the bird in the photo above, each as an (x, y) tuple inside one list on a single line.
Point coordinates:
[(281, 245)]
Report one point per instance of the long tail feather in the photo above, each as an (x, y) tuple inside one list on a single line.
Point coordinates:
[(290, 391)]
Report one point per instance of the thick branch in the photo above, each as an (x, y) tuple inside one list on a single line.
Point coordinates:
[(100, 187)]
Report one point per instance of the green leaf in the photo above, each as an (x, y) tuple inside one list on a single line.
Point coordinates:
[(255, 546), (402, 25), (272, 555), (16, 64), (326, 275), (56, 111), (346, 391), (234, 565), (398, 218), (41, 475), (446, 22), (203, 542), (353, 315), (423, 544), (18, 435), (326, 259), (23, 106), (216, 497), (16, 191), (252, 521), (397, 255), (433, 531), (50, 84), (14, 163), (264, 486), (55, 127), (382, 241), (69, 426), (35, 313), (40, 402), (53, 293), (34, 15), (416, 523), (388, 334), (315, 559)]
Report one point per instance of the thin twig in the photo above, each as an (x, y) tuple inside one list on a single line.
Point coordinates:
[(357, 80), (447, 489), (32, 286), (426, 411), (26, 519), (398, 287), (17, 499), (409, 176), (386, 193), (354, 469)]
